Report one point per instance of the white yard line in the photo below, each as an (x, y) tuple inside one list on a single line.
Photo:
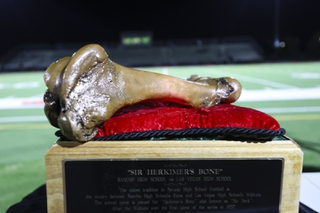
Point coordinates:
[(275, 110), (263, 82), (20, 85), (280, 94), (255, 80), (21, 103), (22, 118)]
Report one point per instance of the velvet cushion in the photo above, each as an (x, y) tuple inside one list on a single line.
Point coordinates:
[(166, 118)]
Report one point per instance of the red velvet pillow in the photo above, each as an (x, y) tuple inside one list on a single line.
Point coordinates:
[(170, 120)]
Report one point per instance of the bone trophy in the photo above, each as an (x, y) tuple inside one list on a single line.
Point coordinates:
[(86, 89)]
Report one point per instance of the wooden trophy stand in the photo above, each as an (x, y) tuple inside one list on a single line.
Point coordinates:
[(186, 176)]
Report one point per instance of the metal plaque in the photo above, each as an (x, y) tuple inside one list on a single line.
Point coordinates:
[(173, 185)]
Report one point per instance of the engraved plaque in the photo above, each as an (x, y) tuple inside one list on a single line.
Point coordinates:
[(173, 185)]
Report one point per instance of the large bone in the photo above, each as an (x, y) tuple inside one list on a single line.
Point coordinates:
[(86, 89)]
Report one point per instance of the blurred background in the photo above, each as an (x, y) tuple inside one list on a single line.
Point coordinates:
[(271, 46), (269, 30)]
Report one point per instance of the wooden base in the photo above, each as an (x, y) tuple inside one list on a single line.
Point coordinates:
[(286, 149)]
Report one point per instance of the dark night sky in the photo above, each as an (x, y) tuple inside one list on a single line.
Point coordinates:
[(50, 21)]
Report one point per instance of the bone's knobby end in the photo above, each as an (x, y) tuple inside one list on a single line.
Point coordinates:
[(235, 89), (53, 73), (72, 128)]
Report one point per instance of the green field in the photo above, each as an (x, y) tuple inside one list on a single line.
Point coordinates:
[(290, 92)]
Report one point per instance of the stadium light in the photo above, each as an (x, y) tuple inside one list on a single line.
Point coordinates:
[(136, 38)]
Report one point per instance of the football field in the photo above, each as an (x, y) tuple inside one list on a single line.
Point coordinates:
[(290, 92)]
